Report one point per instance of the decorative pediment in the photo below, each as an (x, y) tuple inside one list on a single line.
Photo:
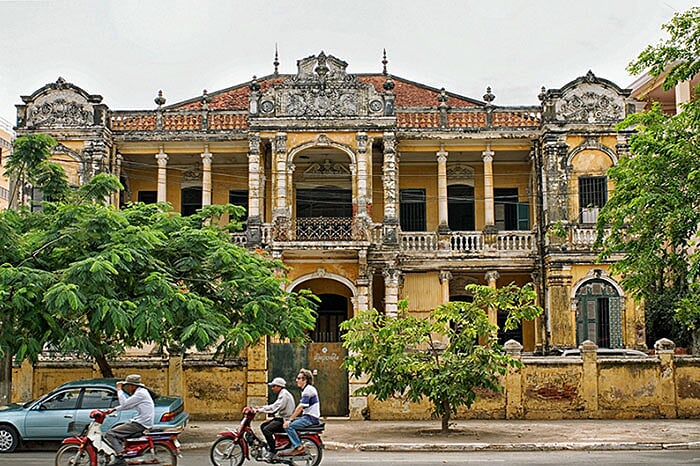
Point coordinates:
[(589, 100), (59, 104), (321, 88)]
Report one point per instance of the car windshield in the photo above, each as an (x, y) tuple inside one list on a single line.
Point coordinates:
[(27, 404)]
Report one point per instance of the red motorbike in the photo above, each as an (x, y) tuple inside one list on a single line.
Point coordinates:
[(90, 449), (233, 447)]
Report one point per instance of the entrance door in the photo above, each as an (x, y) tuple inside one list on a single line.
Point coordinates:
[(324, 356), (599, 314)]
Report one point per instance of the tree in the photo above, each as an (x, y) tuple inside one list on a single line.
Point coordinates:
[(82, 277), (440, 357), (654, 211)]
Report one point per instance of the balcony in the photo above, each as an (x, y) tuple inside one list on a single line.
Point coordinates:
[(344, 230)]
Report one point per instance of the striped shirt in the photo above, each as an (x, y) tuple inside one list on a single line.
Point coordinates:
[(309, 400)]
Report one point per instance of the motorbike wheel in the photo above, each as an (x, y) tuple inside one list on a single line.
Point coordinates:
[(313, 456), (226, 452), (72, 455), (164, 455)]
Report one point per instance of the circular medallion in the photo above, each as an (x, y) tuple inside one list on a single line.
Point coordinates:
[(267, 106), (375, 105)]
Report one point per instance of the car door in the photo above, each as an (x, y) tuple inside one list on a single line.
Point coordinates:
[(97, 398), (49, 418)]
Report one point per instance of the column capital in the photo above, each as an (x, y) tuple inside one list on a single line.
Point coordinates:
[(162, 158), (487, 155), (206, 156), (445, 276), (441, 154), (492, 276)]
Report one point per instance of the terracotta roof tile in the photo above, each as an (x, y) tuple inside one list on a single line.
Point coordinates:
[(408, 94)]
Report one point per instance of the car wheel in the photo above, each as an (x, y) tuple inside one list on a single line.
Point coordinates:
[(9, 439)]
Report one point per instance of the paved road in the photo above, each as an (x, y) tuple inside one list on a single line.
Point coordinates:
[(354, 458)]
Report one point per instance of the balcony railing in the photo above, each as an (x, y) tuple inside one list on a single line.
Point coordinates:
[(306, 229), (323, 228)]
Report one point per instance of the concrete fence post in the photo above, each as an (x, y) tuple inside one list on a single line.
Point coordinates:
[(589, 378), (514, 383), (668, 404), (176, 377)]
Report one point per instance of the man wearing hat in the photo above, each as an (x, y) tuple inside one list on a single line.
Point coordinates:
[(132, 394), (281, 410)]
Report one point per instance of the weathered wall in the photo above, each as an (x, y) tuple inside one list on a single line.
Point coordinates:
[(663, 386), (579, 388)]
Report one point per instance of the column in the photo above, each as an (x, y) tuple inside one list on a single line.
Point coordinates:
[(445, 277), (280, 175), (255, 191), (390, 180), (118, 159), (363, 193), (162, 159), (443, 225), (391, 295), (492, 277), (682, 90), (206, 176), (281, 218), (489, 217)]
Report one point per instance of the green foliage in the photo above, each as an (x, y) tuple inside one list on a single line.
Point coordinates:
[(680, 53), (82, 277), (654, 213), (438, 358)]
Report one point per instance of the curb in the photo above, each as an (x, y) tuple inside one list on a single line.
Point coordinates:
[(465, 447)]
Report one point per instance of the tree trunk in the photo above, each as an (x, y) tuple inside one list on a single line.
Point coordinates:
[(445, 429), (104, 366), (695, 349), (6, 380)]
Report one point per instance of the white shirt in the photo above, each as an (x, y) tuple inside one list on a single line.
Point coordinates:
[(142, 402), (283, 407)]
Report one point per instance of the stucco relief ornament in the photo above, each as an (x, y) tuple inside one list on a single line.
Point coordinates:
[(60, 112), (321, 88), (589, 107)]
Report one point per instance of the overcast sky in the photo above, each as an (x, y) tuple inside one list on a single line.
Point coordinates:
[(125, 50)]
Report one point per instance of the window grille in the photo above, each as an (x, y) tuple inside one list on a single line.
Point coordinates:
[(412, 209), (592, 195), (148, 197), (191, 200)]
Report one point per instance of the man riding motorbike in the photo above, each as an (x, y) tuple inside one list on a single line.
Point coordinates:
[(307, 412), (281, 411), (132, 395)]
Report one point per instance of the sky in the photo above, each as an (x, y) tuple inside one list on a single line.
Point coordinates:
[(126, 50)]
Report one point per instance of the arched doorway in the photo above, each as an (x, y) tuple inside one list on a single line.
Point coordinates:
[(599, 314), (324, 354)]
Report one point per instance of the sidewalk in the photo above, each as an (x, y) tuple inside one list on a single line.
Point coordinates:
[(475, 435)]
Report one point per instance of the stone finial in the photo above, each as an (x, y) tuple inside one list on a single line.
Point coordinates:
[(442, 97), (160, 100), (543, 94), (254, 85), (664, 344), (489, 96), (513, 347), (384, 63), (206, 98), (590, 77), (588, 347), (389, 84), (276, 63), (322, 68)]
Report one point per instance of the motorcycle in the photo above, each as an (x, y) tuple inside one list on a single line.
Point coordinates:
[(89, 448), (233, 447)]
